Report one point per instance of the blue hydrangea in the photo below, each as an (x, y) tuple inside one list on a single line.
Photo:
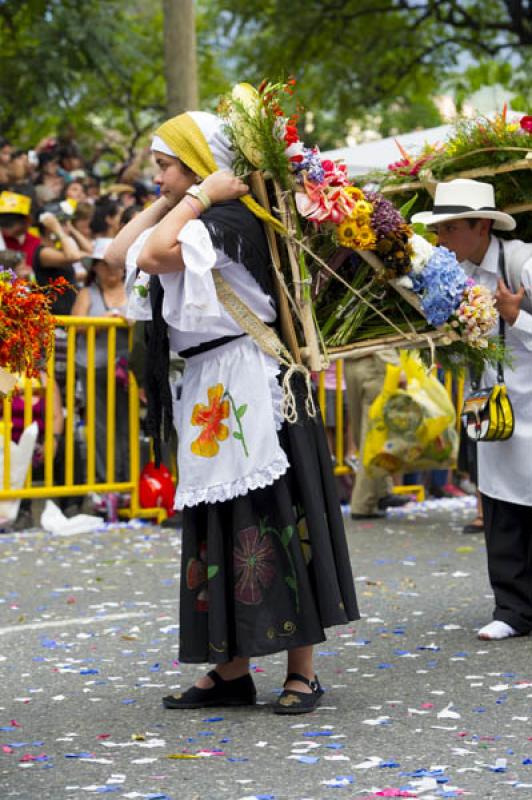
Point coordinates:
[(440, 286)]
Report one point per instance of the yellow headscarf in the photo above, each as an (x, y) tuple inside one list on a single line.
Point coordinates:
[(186, 140)]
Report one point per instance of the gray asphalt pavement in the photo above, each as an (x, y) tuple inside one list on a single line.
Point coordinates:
[(415, 705)]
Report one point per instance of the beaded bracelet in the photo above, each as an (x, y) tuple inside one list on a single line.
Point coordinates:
[(197, 192), (189, 203)]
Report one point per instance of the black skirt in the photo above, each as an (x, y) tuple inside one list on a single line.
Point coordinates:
[(270, 570)]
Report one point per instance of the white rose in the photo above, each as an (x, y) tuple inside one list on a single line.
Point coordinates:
[(422, 253), (405, 281)]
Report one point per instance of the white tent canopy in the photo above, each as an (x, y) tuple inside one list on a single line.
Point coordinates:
[(378, 155)]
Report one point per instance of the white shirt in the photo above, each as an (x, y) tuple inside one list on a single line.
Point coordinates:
[(505, 468)]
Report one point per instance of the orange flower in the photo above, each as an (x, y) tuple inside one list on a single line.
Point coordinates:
[(210, 418)]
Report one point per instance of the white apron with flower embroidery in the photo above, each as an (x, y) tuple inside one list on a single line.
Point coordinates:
[(228, 412), (227, 419)]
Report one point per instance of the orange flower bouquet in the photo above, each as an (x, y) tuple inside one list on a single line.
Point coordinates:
[(26, 326)]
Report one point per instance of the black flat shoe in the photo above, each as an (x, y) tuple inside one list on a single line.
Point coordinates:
[(369, 515), (238, 692), (393, 501), (292, 702)]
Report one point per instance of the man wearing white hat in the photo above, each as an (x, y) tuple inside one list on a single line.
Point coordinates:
[(465, 216)]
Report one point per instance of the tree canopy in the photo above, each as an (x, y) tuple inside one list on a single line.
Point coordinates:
[(96, 66), (384, 56)]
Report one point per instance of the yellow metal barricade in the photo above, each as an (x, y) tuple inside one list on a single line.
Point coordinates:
[(48, 488), (455, 390)]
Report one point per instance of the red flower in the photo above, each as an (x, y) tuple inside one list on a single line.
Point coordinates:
[(526, 124)]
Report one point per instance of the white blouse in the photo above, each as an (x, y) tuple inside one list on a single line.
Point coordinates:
[(228, 410)]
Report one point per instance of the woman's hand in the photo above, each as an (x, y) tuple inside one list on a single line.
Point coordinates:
[(223, 185), (51, 223)]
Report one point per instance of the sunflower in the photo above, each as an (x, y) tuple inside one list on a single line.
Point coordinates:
[(347, 233), (354, 193), (366, 238)]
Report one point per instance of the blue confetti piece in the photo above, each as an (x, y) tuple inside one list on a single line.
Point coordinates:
[(327, 652), (340, 781), (237, 760), (311, 734), (212, 719), (89, 672), (389, 765), (479, 710), (155, 668), (79, 755), (334, 746), (51, 644), (385, 666), (527, 761), (128, 702), (308, 759)]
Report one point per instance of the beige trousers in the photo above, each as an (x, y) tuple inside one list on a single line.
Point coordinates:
[(364, 378)]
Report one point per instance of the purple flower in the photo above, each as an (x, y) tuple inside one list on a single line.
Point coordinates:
[(385, 218)]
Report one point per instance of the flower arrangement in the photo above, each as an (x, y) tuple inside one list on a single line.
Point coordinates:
[(26, 323), (495, 149), (371, 275)]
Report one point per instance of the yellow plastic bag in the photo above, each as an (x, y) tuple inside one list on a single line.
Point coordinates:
[(412, 425)]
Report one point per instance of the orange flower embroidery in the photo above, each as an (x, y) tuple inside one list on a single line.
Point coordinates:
[(210, 418)]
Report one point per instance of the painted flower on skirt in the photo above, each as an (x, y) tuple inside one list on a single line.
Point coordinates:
[(197, 576), (210, 418), (253, 563), (526, 123)]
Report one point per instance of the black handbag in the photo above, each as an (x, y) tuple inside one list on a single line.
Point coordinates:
[(487, 413)]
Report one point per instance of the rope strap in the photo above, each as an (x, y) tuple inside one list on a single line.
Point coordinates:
[(269, 342)]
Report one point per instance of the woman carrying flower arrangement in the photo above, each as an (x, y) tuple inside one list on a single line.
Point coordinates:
[(265, 566)]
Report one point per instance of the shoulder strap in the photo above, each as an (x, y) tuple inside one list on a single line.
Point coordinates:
[(502, 325), (268, 341)]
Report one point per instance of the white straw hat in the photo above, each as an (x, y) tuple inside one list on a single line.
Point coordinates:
[(465, 199)]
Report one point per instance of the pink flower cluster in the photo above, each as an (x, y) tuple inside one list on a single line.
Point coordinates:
[(476, 315)]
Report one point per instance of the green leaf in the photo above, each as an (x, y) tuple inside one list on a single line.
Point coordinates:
[(286, 535), (407, 207), (212, 571), (237, 435), (241, 410)]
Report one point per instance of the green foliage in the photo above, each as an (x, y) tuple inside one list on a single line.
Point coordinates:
[(352, 57), (89, 68)]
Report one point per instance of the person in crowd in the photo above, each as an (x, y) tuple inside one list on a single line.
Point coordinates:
[(105, 296), (70, 160), (82, 218), (93, 188), (75, 190), (15, 222), (50, 183), (265, 564), (466, 220), (364, 379), (105, 220), (55, 257), (6, 148), (24, 518)]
